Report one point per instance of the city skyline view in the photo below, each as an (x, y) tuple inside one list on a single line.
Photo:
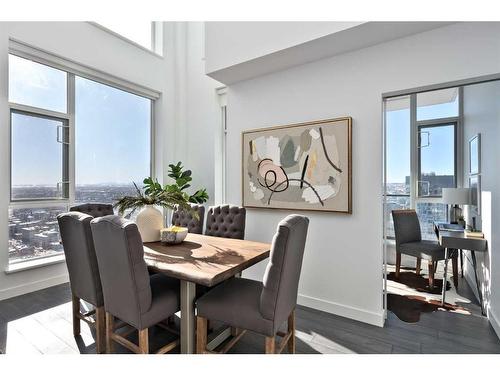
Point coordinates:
[(112, 133)]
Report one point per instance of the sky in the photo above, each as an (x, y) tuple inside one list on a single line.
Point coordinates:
[(438, 157), (112, 129)]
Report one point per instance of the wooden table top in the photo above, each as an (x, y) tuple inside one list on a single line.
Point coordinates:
[(204, 260)]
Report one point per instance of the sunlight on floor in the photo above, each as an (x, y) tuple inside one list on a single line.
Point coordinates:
[(49, 331)]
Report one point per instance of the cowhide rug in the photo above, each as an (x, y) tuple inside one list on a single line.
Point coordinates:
[(410, 296)]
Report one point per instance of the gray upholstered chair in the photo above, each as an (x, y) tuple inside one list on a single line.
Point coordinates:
[(94, 209), (130, 293), (85, 281), (226, 221), (409, 241), (261, 307), (185, 219)]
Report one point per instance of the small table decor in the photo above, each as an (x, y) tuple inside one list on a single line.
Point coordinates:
[(173, 235)]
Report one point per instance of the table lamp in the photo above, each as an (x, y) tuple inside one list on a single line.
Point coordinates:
[(456, 197)]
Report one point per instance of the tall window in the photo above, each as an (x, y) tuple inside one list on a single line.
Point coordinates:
[(145, 33), (397, 118), (54, 114), (113, 136), (421, 148)]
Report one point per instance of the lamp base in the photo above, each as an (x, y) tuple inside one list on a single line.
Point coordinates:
[(455, 214)]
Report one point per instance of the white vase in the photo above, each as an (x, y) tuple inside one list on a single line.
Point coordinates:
[(149, 222)]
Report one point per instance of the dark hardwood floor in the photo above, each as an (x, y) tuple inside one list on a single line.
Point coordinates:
[(40, 322)]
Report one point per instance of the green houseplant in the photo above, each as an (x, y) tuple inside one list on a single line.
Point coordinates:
[(182, 182), (150, 219)]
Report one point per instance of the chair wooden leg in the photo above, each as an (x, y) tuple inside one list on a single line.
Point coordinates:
[(100, 330), (431, 274), (144, 341), (201, 335), (398, 264), (270, 345), (291, 329), (454, 263), (110, 322), (419, 264), (76, 313)]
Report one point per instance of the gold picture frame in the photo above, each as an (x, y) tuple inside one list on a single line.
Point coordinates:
[(306, 177)]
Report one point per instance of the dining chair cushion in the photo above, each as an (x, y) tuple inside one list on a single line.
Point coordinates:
[(165, 300), (124, 274), (185, 219), (236, 302), (94, 209), (281, 279), (226, 221), (76, 236), (428, 250)]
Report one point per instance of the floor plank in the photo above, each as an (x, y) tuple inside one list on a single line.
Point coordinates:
[(40, 322)]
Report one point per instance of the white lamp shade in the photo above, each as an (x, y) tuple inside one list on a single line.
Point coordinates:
[(456, 195)]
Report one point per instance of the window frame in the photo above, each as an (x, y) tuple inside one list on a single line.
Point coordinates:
[(450, 121), (72, 70), (156, 48), (415, 199), (415, 151)]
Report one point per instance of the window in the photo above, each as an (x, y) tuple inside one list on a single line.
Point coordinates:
[(113, 136), (39, 148), (111, 129), (421, 154), (34, 233), (397, 117), (37, 85), (437, 104), (145, 33), (437, 154)]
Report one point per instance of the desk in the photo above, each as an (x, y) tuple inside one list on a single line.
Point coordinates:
[(202, 260), (458, 240)]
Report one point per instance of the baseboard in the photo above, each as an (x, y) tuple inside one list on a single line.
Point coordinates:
[(494, 321), (32, 287), (350, 312)]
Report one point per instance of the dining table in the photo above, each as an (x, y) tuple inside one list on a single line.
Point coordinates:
[(205, 261)]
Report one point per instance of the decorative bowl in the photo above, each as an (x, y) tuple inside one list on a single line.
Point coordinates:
[(173, 235)]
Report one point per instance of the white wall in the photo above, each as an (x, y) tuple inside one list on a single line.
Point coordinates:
[(342, 270), (91, 46), (204, 114), (482, 115), (243, 41)]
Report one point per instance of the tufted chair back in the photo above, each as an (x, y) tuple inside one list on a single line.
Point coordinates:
[(94, 209), (81, 260), (226, 221), (124, 274), (185, 219), (281, 279)]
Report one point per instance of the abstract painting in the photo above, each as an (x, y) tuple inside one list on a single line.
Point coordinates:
[(301, 166)]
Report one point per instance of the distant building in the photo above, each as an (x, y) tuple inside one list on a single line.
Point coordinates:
[(431, 184)]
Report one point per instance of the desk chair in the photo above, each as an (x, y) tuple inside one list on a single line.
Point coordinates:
[(409, 241)]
